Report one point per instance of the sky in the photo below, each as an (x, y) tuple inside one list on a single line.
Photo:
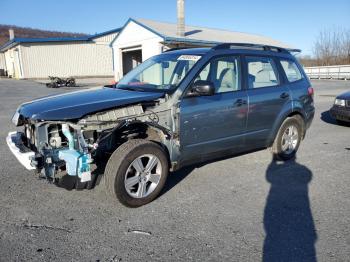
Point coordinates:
[(296, 22)]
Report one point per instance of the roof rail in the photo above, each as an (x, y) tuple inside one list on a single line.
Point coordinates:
[(254, 46)]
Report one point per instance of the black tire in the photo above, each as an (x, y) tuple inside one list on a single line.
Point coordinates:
[(277, 150), (50, 85), (120, 161), (71, 83)]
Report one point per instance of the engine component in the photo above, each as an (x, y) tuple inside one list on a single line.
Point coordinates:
[(68, 135), (77, 163), (54, 133)]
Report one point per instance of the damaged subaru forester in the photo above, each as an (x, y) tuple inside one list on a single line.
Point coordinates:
[(176, 109)]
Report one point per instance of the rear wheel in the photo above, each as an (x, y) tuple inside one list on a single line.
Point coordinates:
[(288, 138), (136, 172)]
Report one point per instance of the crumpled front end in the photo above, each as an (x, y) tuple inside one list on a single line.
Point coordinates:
[(52, 147)]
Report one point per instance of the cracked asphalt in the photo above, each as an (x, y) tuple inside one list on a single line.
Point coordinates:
[(243, 208)]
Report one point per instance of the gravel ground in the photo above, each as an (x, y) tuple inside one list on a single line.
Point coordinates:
[(245, 208)]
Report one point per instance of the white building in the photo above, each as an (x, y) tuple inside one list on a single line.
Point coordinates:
[(3, 68), (89, 56), (112, 53), (140, 39)]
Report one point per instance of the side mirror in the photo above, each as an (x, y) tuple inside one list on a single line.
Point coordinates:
[(202, 88)]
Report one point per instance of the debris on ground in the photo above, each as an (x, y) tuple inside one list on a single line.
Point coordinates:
[(141, 232)]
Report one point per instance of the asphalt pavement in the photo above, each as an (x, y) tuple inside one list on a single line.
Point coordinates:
[(244, 208)]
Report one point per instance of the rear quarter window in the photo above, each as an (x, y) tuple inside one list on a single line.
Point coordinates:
[(291, 70)]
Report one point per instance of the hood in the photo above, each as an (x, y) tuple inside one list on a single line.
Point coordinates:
[(75, 105), (345, 96)]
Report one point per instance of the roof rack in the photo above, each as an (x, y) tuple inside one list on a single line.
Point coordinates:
[(255, 46)]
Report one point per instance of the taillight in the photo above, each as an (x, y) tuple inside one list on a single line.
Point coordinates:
[(310, 91)]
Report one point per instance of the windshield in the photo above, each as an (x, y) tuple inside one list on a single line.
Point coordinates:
[(162, 72)]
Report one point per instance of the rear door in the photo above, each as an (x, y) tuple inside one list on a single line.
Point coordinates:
[(267, 95), (214, 123)]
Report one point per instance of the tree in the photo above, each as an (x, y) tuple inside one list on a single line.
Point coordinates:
[(332, 47)]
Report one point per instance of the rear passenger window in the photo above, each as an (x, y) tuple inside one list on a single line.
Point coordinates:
[(262, 72), (292, 71)]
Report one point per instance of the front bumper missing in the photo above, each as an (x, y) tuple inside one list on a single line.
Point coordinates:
[(23, 154)]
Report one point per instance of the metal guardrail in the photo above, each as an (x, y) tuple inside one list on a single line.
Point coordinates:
[(328, 72)]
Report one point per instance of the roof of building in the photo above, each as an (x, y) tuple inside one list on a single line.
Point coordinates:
[(203, 35), (87, 38), (168, 31)]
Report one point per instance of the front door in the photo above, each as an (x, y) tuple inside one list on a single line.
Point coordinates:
[(210, 124)]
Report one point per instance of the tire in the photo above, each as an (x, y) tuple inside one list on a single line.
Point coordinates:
[(70, 83), (278, 149), (120, 168)]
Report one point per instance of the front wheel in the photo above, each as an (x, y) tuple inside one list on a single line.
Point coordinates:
[(136, 172), (288, 138)]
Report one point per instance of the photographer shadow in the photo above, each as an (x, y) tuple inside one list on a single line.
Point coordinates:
[(288, 221)]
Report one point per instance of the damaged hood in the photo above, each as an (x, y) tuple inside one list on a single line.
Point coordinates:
[(75, 105)]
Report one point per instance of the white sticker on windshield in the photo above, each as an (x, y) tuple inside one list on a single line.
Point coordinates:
[(189, 57)]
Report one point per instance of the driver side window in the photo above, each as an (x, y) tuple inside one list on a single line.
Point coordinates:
[(224, 73)]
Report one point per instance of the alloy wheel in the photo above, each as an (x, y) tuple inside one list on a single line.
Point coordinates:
[(143, 176)]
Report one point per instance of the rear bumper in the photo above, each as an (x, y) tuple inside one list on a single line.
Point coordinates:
[(341, 113), (20, 151)]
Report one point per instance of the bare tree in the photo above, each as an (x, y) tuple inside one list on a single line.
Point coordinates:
[(332, 47)]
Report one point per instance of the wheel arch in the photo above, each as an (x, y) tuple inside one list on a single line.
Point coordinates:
[(282, 117), (147, 131)]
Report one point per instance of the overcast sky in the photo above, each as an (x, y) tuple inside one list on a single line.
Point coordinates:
[(294, 22)]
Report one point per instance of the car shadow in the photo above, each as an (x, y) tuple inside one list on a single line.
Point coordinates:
[(288, 221), (327, 118), (176, 177)]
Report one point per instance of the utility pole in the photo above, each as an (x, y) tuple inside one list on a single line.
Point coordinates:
[(181, 18)]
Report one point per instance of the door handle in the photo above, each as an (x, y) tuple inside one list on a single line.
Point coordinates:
[(284, 95), (240, 102)]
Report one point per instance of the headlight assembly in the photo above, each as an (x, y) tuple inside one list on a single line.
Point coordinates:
[(339, 102)]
